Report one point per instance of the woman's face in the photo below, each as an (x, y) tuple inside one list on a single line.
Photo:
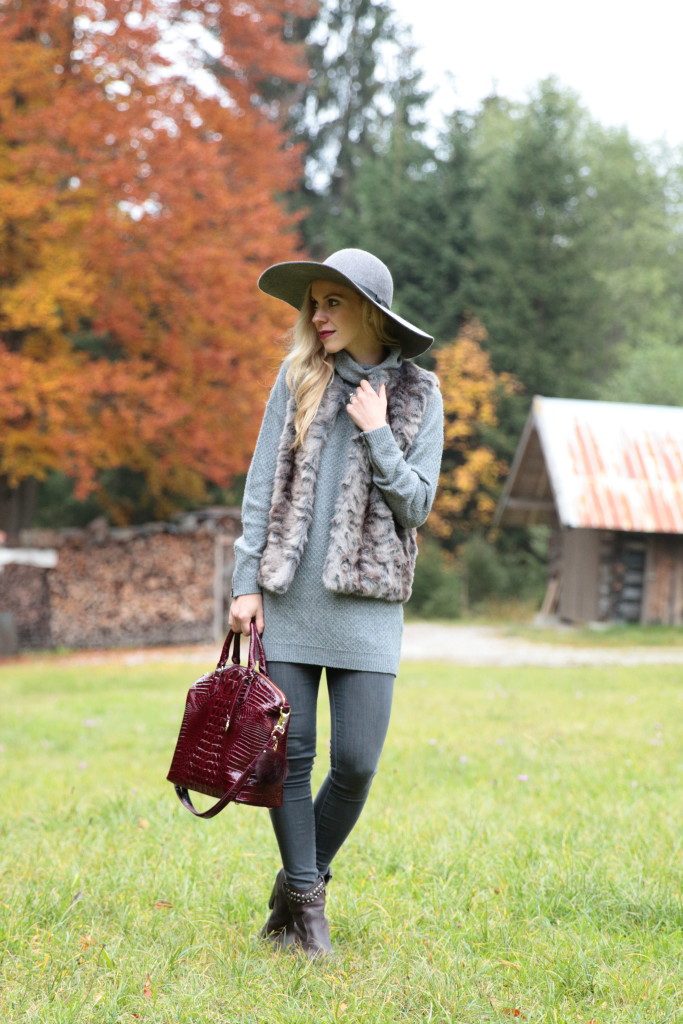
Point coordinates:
[(338, 318)]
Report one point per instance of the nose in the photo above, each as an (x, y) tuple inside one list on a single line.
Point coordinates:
[(318, 316)]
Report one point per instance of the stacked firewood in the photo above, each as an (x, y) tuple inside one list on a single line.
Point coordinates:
[(156, 589), (153, 584)]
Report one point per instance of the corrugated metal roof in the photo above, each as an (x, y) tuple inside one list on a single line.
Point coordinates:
[(613, 465)]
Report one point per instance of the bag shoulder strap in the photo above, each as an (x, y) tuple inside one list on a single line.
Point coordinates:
[(234, 791)]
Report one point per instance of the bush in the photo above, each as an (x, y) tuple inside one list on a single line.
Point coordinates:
[(513, 568), (436, 587), (484, 573)]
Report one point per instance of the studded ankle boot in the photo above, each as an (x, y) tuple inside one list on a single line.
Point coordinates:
[(279, 928), (310, 927)]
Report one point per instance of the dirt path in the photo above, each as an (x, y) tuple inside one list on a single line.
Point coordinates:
[(487, 645), (454, 644)]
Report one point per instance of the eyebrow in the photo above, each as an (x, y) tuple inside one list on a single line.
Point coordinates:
[(329, 295)]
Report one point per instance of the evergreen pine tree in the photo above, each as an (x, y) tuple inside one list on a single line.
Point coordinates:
[(535, 289)]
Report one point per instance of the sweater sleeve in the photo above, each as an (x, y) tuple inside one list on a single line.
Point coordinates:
[(408, 483), (258, 492)]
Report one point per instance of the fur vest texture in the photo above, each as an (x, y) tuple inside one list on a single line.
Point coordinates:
[(369, 553)]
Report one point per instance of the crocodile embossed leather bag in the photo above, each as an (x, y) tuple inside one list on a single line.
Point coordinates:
[(233, 738)]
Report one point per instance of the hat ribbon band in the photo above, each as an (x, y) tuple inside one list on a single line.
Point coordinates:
[(375, 298)]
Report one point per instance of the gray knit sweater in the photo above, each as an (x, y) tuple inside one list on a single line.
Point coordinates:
[(310, 624)]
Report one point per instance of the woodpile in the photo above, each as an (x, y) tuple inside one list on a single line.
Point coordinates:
[(161, 583)]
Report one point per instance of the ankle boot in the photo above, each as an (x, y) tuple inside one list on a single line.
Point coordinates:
[(310, 927), (279, 928)]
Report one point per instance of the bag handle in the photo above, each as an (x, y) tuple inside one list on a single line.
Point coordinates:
[(256, 660), (257, 655), (226, 650), (256, 666)]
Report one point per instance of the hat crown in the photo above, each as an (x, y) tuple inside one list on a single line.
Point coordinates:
[(366, 271)]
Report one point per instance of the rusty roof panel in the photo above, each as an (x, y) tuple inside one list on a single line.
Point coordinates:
[(612, 465)]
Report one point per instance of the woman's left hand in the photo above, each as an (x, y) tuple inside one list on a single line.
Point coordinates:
[(367, 407)]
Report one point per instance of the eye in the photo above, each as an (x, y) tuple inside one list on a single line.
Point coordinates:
[(333, 302)]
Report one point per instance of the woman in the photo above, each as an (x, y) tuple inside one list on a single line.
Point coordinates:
[(344, 470)]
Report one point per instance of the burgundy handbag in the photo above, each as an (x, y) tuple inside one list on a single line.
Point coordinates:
[(233, 737)]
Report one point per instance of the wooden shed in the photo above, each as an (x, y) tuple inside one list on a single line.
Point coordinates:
[(608, 478)]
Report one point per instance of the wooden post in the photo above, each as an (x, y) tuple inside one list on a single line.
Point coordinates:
[(218, 588)]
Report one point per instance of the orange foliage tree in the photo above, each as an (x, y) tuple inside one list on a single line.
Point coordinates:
[(471, 470), (136, 211)]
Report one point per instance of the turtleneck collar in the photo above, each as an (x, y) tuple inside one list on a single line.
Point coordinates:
[(353, 373)]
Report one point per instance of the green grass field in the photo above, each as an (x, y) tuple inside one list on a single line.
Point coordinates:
[(519, 858)]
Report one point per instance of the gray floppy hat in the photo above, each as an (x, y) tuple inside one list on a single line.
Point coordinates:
[(354, 268)]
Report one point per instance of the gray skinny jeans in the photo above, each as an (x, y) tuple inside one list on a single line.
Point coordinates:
[(310, 832)]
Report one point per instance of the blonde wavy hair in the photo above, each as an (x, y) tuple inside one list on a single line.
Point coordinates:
[(310, 367)]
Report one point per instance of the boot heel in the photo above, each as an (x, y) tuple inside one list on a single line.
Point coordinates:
[(279, 928)]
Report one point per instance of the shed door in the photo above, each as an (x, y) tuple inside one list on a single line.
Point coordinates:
[(628, 577), (663, 601), (578, 601)]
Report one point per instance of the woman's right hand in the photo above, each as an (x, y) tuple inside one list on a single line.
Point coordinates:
[(242, 610)]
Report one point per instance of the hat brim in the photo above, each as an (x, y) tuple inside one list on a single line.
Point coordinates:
[(290, 282)]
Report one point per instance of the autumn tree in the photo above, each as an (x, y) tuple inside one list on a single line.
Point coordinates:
[(471, 470), (136, 211)]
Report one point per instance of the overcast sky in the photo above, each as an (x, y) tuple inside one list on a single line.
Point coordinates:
[(625, 59)]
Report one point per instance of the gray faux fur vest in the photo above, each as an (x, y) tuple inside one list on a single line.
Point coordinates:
[(369, 553)]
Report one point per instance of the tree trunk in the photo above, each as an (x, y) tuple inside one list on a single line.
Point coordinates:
[(17, 507)]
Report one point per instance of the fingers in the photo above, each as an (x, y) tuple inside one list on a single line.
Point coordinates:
[(244, 626), (239, 625), (366, 407), (363, 391), (242, 610)]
